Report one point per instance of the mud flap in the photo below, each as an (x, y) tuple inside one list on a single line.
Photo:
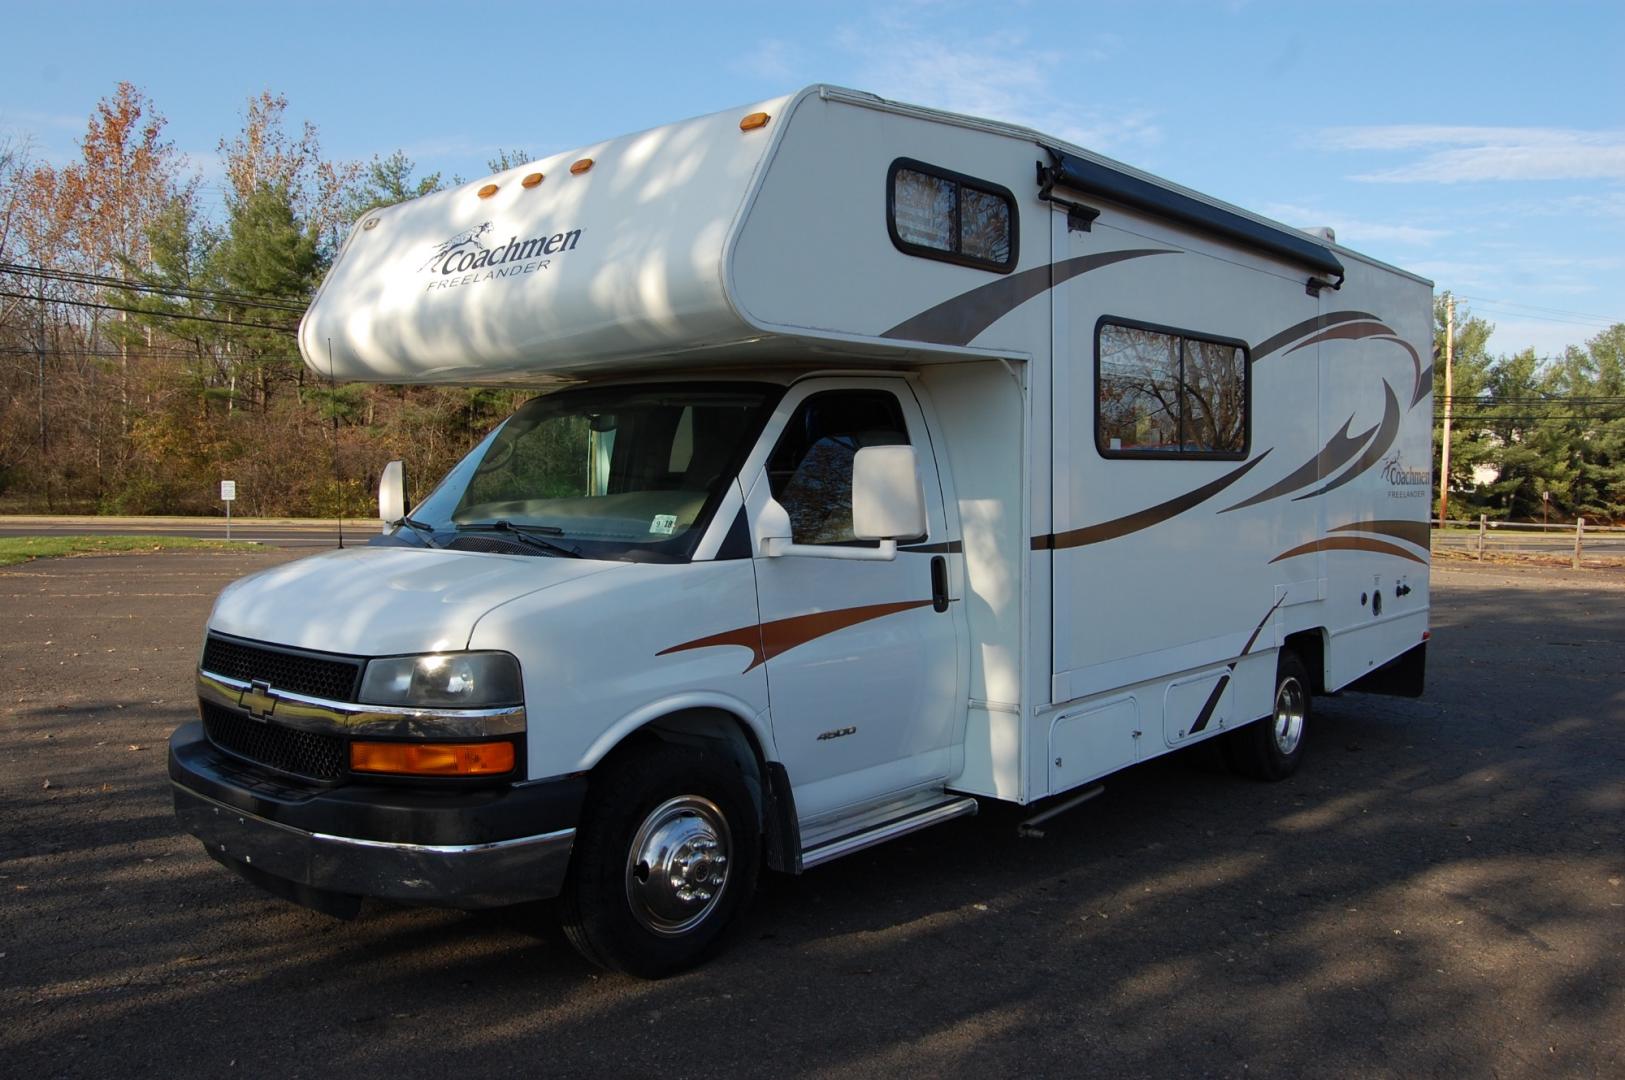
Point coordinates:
[(1402, 676)]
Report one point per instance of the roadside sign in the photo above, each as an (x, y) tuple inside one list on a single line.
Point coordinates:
[(228, 490)]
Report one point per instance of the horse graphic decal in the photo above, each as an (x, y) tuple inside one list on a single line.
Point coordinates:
[(468, 238)]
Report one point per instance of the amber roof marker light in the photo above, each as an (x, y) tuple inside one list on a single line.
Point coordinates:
[(487, 191), (532, 180), (753, 121), (581, 166)]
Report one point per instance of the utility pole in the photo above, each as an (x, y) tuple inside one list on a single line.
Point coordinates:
[(1449, 391)]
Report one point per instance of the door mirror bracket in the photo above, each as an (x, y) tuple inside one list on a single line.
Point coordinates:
[(774, 540)]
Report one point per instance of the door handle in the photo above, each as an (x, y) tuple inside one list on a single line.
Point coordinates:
[(939, 583)]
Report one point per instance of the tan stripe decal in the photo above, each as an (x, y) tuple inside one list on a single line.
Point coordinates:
[(770, 639), (1412, 532), (1348, 543)]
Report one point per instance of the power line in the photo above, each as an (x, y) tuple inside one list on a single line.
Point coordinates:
[(1606, 320), (126, 285), (159, 314)]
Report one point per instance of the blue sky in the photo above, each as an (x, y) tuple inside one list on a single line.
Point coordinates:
[(1481, 144)]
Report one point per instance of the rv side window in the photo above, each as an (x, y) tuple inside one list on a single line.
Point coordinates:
[(942, 215), (1164, 393)]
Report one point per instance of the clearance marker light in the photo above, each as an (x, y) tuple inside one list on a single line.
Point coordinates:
[(487, 191), (532, 180), (753, 121), (581, 166), (432, 759)]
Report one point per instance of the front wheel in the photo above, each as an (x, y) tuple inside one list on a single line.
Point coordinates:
[(1271, 748), (666, 857)]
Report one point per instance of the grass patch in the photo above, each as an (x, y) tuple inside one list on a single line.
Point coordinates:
[(21, 549)]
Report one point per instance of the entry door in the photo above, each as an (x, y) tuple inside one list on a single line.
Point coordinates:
[(865, 676)]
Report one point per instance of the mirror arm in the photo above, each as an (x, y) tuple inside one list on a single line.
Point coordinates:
[(774, 547)]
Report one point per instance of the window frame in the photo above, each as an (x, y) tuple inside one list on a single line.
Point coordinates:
[(908, 432), (1181, 336), (985, 187)]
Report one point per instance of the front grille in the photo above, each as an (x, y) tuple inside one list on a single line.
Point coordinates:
[(303, 753), (330, 677)]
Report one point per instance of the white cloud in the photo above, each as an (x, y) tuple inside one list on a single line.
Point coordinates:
[(1458, 154), (999, 76), (1355, 232)]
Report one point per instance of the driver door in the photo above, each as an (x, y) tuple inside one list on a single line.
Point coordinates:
[(865, 671)]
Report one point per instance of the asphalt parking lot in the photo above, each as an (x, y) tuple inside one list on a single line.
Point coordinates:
[(1439, 892)]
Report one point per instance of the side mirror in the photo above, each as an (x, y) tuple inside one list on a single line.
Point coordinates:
[(392, 494), (775, 539), (887, 503)]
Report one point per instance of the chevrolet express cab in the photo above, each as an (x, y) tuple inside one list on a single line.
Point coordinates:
[(883, 461)]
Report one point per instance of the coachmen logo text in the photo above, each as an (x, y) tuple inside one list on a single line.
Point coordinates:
[(1406, 482), (466, 259)]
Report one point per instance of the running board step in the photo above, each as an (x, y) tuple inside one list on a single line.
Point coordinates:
[(887, 830)]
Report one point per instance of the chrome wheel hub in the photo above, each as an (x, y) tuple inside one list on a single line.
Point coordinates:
[(1289, 709), (677, 867)]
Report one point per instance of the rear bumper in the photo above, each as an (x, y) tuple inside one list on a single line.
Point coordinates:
[(469, 849)]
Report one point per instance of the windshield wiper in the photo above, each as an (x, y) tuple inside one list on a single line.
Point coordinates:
[(527, 533), (425, 531)]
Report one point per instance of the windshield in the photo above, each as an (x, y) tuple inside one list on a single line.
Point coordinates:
[(622, 472)]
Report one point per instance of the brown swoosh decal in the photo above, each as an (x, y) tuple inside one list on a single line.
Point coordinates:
[(1144, 519), (1422, 387), (1347, 332), (1348, 543), (771, 639), (1212, 701), (1377, 331), (1387, 431), (1412, 532), (1348, 324), (959, 320), (1333, 455), (1308, 326)]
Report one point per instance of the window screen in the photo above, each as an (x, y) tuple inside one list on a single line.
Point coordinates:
[(943, 215), (1165, 393)]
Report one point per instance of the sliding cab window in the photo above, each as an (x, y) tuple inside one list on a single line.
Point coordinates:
[(1163, 393), (938, 214)]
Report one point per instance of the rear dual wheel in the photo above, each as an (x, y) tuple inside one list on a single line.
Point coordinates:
[(666, 858), (1271, 748)]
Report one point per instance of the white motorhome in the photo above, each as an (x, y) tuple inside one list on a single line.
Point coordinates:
[(888, 460)]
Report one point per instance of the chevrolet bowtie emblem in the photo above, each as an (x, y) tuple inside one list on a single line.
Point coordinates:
[(258, 700)]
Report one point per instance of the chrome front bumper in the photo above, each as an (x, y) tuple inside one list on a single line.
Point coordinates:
[(461, 875), (325, 845)]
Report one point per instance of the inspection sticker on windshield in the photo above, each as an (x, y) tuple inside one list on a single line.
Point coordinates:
[(664, 524)]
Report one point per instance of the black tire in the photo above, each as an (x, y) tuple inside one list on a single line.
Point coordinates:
[(1271, 748), (682, 802)]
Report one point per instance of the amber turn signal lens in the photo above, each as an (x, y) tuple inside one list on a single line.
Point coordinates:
[(432, 759), (754, 121), (532, 180), (581, 166), (487, 191)]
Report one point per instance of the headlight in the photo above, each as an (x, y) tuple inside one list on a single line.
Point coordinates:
[(467, 680)]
